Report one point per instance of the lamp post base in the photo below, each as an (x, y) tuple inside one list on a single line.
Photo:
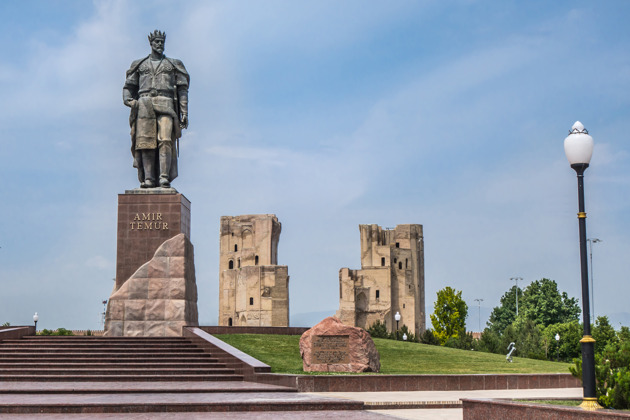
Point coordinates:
[(590, 404)]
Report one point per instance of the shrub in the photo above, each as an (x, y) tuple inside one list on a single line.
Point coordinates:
[(490, 342), (463, 341), (398, 335), (60, 331), (612, 374), (428, 337), (378, 330)]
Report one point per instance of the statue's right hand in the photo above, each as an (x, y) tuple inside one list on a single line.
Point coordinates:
[(131, 103)]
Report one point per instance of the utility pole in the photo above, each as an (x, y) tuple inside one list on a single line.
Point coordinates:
[(103, 313), (479, 305), (591, 242), (516, 279)]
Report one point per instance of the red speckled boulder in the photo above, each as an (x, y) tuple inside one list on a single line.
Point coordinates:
[(331, 346)]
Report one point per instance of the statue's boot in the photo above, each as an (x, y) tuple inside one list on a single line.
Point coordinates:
[(165, 163), (148, 163)]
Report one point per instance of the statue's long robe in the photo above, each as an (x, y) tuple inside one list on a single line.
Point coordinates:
[(143, 117)]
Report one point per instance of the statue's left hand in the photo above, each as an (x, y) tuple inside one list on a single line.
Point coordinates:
[(131, 103), (184, 121)]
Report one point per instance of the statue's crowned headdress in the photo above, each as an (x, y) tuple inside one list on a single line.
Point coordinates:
[(157, 35)]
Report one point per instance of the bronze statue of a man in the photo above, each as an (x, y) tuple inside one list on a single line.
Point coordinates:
[(156, 90)]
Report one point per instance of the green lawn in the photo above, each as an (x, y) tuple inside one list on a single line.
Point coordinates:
[(282, 353), (569, 403)]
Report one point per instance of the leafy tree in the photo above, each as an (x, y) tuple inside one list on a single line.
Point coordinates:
[(504, 315), (449, 316), (60, 331), (6, 324), (540, 302), (510, 335), (490, 342), (529, 339), (570, 335), (543, 304), (603, 333)]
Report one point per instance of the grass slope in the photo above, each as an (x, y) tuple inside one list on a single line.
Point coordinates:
[(282, 353)]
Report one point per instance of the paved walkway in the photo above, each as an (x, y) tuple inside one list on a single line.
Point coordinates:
[(429, 398), (373, 399)]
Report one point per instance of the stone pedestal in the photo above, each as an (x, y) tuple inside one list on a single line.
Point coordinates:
[(147, 218), (155, 292)]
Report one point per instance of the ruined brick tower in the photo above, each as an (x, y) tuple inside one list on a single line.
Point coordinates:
[(391, 279), (253, 289)]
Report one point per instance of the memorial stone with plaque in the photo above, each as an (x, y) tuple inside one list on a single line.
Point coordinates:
[(331, 346)]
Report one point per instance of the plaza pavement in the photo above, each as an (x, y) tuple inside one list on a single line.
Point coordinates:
[(372, 399), (435, 398)]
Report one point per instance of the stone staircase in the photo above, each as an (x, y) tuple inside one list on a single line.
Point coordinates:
[(93, 376), (79, 358)]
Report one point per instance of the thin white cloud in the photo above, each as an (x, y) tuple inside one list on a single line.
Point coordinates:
[(99, 262)]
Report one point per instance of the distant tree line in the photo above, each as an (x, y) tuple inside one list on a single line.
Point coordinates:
[(543, 313)]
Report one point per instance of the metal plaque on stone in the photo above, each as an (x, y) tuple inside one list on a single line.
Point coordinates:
[(331, 349)]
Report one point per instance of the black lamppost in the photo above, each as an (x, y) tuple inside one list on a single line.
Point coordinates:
[(397, 318), (578, 146), (35, 319)]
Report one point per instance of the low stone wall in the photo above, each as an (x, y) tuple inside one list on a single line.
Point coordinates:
[(243, 363), (95, 333), (501, 409), (255, 330), (12, 333), (371, 383)]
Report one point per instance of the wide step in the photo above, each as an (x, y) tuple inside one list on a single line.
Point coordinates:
[(122, 378), (165, 402)]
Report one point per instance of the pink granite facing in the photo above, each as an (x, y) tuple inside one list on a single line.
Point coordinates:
[(367, 382), (160, 298), (489, 409), (9, 333), (271, 415)]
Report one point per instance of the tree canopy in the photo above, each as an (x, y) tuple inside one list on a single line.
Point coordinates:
[(540, 302), (504, 315), (545, 305), (449, 316)]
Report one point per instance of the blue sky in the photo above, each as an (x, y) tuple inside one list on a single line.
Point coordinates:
[(328, 114)]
